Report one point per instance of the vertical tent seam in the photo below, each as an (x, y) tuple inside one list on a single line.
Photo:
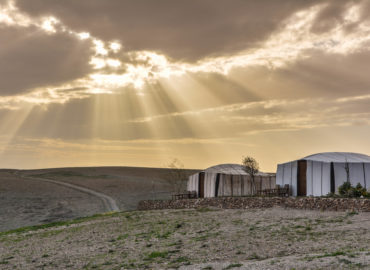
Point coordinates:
[(312, 178), (291, 175), (322, 163)]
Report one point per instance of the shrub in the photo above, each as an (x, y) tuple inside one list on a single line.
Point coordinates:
[(348, 190), (344, 189)]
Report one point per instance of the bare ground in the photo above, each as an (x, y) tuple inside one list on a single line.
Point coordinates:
[(25, 201), (196, 239)]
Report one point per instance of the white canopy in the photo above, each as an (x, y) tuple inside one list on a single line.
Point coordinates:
[(339, 157), (233, 169)]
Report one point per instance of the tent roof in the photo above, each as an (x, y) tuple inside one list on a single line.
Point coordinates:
[(338, 157), (234, 169)]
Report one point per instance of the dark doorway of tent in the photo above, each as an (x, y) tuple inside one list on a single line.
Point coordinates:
[(302, 178), (201, 185)]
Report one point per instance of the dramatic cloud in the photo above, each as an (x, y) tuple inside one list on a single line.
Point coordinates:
[(203, 80), (180, 29), (30, 58)]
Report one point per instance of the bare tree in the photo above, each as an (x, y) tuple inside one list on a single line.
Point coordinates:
[(251, 167), (177, 176), (346, 168)]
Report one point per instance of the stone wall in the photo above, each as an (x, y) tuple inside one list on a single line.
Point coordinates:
[(312, 203)]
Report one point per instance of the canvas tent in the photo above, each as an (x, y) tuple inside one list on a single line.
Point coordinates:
[(227, 180), (322, 173)]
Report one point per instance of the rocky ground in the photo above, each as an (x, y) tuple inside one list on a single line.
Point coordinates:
[(205, 238)]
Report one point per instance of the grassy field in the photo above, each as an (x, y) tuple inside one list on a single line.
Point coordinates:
[(194, 239), (26, 201)]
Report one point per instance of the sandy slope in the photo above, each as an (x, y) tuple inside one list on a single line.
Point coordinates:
[(27, 199)]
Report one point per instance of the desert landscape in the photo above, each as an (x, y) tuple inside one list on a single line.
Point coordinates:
[(203, 238), (188, 134), (31, 197)]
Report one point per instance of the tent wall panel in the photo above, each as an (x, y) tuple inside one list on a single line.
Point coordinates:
[(193, 182), (272, 182), (340, 175), (279, 174), (317, 178), (260, 179), (221, 185), (356, 173), (236, 186), (227, 185), (247, 185), (325, 183), (266, 182), (287, 173), (309, 178), (367, 175), (190, 183), (196, 182), (209, 184), (250, 185), (293, 178)]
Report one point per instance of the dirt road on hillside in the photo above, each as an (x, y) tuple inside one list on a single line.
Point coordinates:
[(109, 203)]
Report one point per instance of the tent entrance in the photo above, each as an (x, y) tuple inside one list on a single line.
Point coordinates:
[(201, 185), (302, 178)]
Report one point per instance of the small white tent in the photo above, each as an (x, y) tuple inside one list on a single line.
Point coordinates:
[(320, 174), (227, 180)]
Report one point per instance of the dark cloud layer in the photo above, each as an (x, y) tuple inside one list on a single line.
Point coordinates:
[(31, 58), (189, 30)]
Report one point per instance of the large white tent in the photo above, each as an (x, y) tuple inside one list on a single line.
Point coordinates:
[(227, 180), (320, 174)]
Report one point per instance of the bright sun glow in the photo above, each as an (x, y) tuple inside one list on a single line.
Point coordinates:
[(48, 24), (100, 47), (115, 46), (84, 35)]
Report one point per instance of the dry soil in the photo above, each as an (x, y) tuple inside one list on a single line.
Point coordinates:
[(196, 239)]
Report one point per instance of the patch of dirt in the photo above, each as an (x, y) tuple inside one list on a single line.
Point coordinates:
[(197, 239)]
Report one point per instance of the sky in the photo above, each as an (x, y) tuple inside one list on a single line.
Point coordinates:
[(141, 82)]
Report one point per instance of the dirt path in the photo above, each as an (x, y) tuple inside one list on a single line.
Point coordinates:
[(109, 203)]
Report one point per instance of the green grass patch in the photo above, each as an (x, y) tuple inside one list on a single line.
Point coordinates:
[(122, 237), (58, 223), (333, 254), (157, 254), (233, 265)]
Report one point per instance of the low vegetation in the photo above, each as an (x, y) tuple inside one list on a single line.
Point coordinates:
[(346, 190), (193, 239)]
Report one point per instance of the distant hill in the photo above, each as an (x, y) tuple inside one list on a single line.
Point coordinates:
[(27, 199)]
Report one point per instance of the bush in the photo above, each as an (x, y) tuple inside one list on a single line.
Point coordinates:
[(348, 190), (345, 188)]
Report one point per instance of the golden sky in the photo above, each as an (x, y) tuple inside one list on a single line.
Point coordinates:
[(140, 82)]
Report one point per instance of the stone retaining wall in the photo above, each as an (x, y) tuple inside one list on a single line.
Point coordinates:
[(311, 203)]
